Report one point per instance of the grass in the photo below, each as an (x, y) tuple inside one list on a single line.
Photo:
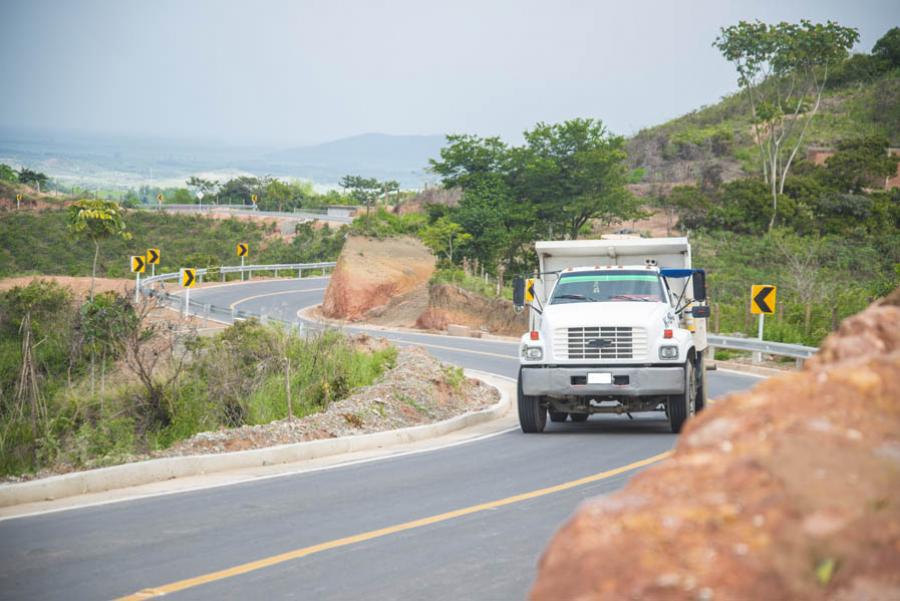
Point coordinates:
[(457, 277)]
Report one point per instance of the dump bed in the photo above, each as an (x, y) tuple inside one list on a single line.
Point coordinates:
[(663, 252)]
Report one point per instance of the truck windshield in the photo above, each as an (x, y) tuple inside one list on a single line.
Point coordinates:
[(605, 286)]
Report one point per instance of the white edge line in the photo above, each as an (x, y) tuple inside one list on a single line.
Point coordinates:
[(272, 476), (743, 373), (265, 477)]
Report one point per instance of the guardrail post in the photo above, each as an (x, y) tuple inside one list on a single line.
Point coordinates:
[(711, 352), (798, 362), (299, 273), (206, 310)]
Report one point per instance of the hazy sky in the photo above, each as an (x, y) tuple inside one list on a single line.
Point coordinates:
[(307, 71)]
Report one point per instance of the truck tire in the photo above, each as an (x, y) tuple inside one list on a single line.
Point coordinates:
[(683, 406), (532, 414), (579, 417), (558, 416)]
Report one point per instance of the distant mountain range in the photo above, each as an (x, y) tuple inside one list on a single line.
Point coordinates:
[(121, 162), (401, 158)]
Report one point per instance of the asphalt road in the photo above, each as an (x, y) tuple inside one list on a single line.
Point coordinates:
[(329, 522)]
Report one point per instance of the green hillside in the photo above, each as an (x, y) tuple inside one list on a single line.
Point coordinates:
[(860, 100)]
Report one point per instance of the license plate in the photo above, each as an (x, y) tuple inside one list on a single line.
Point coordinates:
[(599, 379)]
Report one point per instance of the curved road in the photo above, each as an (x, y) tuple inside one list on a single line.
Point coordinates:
[(467, 521)]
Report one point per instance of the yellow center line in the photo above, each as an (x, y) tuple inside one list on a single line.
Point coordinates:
[(256, 296), (158, 591)]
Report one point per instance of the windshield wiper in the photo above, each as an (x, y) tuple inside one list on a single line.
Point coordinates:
[(631, 297), (576, 297)]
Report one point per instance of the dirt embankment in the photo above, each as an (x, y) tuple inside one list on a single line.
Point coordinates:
[(449, 304), (372, 275), (788, 491)]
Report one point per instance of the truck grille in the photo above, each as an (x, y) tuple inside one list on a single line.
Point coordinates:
[(600, 343)]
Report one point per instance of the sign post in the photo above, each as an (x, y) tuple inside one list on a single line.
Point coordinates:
[(159, 200), (18, 200), (138, 264), (188, 281), (762, 303), (153, 258), (243, 250)]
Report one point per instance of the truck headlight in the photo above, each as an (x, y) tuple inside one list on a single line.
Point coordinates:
[(532, 353), (668, 352)]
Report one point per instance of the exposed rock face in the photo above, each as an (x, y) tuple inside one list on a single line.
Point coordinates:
[(788, 491), (434, 196), (449, 304), (369, 273)]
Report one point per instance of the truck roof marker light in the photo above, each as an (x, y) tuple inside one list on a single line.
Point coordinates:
[(667, 333), (535, 335)]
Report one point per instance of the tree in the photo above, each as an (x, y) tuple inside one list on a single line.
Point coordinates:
[(33, 178), (182, 196), (887, 47), (7, 173), (363, 190), (440, 236), (278, 196), (783, 69), (239, 190), (860, 162), (802, 257), (200, 186), (94, 221), (574, 172), (467, 158)]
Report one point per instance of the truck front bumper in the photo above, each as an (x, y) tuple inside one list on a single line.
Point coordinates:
[(561, 381)]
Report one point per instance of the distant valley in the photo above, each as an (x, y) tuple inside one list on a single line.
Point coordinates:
[(128, 161)]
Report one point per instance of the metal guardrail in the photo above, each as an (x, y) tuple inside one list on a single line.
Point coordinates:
[(759, 347), (150, 287), (309, 214), (798, 351)]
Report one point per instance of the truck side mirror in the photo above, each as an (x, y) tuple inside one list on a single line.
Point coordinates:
[(699, 279), (519, 292)]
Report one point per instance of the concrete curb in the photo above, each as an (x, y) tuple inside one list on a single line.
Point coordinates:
[(156, 470)]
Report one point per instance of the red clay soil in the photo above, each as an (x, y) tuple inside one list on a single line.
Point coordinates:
[(788, 491), (80, 286), (369, 273), (449, 304)]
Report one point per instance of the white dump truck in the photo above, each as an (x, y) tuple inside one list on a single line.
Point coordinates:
[(616, 326)]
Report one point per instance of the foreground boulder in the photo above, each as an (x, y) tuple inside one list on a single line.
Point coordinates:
[(370, 273), (788, 491)]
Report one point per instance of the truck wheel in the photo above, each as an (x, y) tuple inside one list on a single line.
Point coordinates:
[(579, 417), (532, 415), (682, 406), (558, 416)]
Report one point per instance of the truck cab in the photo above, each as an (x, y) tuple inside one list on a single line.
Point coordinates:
[(616, 326)]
